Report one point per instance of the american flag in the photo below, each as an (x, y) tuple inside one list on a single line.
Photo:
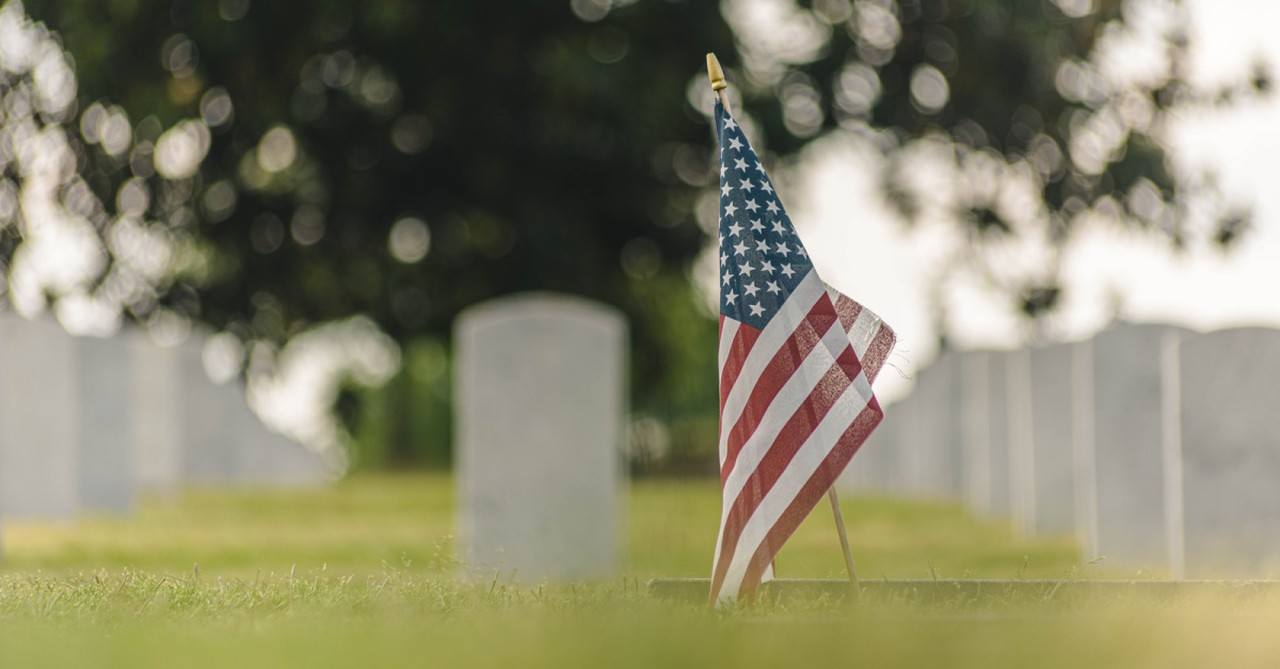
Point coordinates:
[(797, 359)]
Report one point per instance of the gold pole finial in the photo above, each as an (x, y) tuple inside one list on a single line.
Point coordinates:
[(714, 73)]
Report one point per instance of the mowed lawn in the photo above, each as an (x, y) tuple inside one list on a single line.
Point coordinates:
[(363, 574)]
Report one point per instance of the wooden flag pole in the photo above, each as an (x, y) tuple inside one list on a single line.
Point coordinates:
[(716, 74)]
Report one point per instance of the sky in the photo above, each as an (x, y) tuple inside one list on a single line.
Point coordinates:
[(860, 248)]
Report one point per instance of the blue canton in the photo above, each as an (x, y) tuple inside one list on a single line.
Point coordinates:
[(761, 258)]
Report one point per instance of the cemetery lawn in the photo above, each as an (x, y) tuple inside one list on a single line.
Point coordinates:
[(363, 574)]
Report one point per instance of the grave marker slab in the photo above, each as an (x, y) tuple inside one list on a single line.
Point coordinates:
[(157, 417), (38, 426), (104, 387), (1054, 437), (933, 430), (1230, 448), (540, 409)]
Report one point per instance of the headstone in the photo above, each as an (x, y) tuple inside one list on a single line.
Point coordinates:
[(1053, 455), (540, 408), (975, 429), (1019, 438), (157, 415), (104, 390), (874, 469), (1230, 446), (212, 425), (933, 430), (38, 420), (1131, 429)]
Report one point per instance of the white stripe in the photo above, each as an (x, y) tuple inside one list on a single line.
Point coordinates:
[(727, 331), (774, 335), (864, 331), (797, 474), (792, 394)]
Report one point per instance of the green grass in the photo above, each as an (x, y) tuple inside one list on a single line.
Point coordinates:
[(363, 574)]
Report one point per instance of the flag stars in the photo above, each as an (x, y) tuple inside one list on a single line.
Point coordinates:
[(787, 271), (740, 164), (773, 207), (756, 309), (735, 229), (762, 246), (730, 208), (767, 266), (747, 185), (783, 250), (740, 248), (772, 287), (735, 143), (751, 205), (727, 277), (756, 225), (750, 289), (730, 297), (729, 123), (779, 228), (746, 268), (725, 189), (800, 250), (764, 185)]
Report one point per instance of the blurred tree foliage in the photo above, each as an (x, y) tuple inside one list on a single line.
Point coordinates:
[(406, 159)]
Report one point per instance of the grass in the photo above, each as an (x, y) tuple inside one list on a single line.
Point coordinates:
[(362, 574)]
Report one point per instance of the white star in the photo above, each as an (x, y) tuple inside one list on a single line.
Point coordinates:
[(740, 164), (740, 248), (724, 257), (729, 297), (777, 227), (728, 122), (760, 168), (773, 207), (735, 143), (783, 250), (787, 271), (752, 206), (723, 169), (750, 289), (772, 287), (729, 209), (724, 190), (735, 229), (765, 266), (756, 226), (727, 275), (762, 246), (756, 309), (801, 251), (747, 185), (764, 184), (746, 269)]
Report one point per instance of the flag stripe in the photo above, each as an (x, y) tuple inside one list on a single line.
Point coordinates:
[(782, 371), (774, 335), (799, 470), (769, 452)]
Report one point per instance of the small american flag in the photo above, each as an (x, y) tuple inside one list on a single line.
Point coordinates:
[(797, 360)]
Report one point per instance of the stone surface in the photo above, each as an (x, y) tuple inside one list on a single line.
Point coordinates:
[(104, 391), (1054, 436), (1230, 447), (212, 426), (157, 415), (875, 467), (1130, 429), (932, 431), (540, 408), (38, 420), (1019, 441), (975, 429)]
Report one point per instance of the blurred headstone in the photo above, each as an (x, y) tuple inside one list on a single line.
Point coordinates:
[(1230, 447), (104, 390), (1019, 438), (975, 429), (540, 406), (994, 455), (933, 430), (157, 415), (212, 428), (1131, 429), (874, 469), (38, 420), (1053, 453)]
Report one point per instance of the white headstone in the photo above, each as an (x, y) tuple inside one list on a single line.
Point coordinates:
[(1132, 427), (212, 423), (932, 430), (876, 466), (104, 389), (975, 429), (540, 406), (38, 420), (1230, 446), (1053, 455), (157, 415)]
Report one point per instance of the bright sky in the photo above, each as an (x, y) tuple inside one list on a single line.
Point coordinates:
[(861, 249)]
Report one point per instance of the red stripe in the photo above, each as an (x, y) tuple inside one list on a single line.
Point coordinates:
[(739, 349), (780, 453), (807, 334), (809, 495), (877, 352), (848, 310)]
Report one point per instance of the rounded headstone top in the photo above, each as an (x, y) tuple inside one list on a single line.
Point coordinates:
[(538, 305)]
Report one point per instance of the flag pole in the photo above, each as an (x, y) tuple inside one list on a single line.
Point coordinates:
[(716, 74)]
